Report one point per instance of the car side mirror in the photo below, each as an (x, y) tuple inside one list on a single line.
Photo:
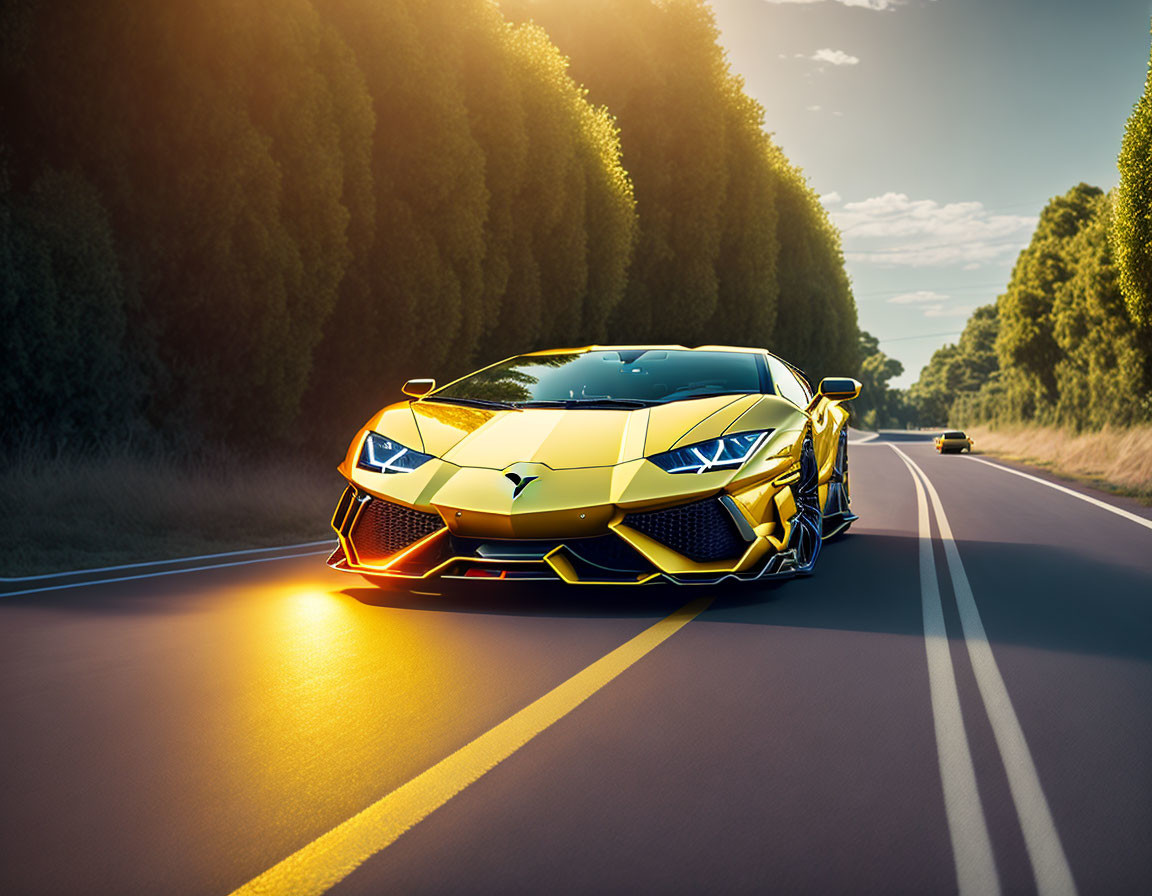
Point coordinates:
[(838, 388), (418, 388)]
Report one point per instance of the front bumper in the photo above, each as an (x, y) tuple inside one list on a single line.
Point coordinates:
[(698, 541)]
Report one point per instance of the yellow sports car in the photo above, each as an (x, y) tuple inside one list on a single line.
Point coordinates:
[(955, 440), (601, 465)]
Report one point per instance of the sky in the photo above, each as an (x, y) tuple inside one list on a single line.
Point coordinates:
[(936, 130)]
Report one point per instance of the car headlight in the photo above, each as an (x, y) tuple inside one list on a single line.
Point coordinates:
[(715, 454), (381, 455)]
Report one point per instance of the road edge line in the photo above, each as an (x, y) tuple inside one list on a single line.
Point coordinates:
[(164, 572), (976, 873), (69, 573), (1046, 853), (331, 857), (1119, 511)]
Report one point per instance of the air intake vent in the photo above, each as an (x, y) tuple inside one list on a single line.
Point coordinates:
[(383, 528), (701, 531)]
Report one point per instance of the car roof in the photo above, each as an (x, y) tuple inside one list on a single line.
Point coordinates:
[(649, 347), (735, 349)]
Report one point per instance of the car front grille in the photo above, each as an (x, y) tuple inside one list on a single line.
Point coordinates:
[(701, 531), (383, 528), (609, 552)]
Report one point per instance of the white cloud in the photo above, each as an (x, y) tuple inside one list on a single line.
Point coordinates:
[(832, 198), (834, 57), (894, 230), (956, 311), (931, 303), (918, 297), (878, 5), (812, 108)]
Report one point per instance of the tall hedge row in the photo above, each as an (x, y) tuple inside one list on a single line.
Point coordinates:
[(246, 222)]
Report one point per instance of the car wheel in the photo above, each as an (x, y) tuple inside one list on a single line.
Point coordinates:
[(807, 535), (838, 518)]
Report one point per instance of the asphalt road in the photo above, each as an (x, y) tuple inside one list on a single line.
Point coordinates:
[(971, 712)]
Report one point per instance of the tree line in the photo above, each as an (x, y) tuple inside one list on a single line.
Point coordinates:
[(1069, 342), (1061, 346), (245, 223)]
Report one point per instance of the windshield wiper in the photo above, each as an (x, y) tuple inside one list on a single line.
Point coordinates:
[(473, 402), (592, 403)]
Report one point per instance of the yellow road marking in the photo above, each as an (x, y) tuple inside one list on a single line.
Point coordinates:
[(330, 858)]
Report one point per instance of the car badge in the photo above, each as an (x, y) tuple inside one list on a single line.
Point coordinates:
[(519, 483)]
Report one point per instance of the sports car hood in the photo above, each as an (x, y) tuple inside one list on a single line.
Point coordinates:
[(564, 439)]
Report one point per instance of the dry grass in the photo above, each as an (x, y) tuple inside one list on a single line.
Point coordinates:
[(62, 514), (1118, 459)]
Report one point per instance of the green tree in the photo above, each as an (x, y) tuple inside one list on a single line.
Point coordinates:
[(749, 247), (934, 392), (956, 373), (816, 319), (1060, 345), (733, 244), (659, 70), (1026, 345), (1105, 374), (1132, 217), (71, 369), (878, 405), (214, 136), (574, 214), (503, 216), (285, 208)]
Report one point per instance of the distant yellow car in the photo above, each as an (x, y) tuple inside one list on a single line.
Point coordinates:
[(601, 465), (955, 440)]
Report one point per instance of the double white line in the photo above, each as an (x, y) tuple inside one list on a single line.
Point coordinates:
[(971, 843)]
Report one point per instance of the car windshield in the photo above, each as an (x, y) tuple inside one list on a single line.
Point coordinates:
[(954, 435), (617, 378)]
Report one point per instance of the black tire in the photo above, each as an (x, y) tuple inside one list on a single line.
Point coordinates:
[(808, 533), (838, 517)]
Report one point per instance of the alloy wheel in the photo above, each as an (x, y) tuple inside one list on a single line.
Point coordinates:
[(808, 533)]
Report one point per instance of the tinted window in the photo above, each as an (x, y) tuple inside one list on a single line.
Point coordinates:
[(787, 384), (954, 435), (649, 376)]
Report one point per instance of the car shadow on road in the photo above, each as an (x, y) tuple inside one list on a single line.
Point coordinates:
[(545, 599), (1029, 595), (867, 581)]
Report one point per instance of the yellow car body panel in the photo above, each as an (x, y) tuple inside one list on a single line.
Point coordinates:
[(464, 513)]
